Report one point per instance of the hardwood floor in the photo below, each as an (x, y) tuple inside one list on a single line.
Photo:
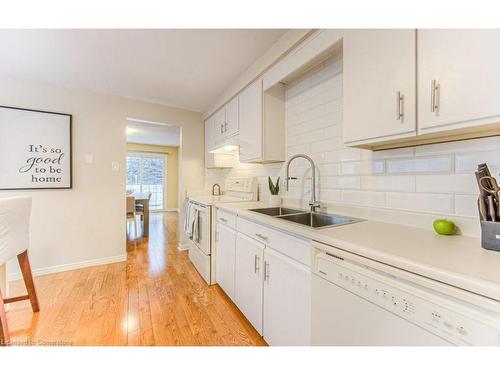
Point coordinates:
[(156, 297)]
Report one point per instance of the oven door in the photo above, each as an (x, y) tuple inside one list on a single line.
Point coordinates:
[(203, 241)]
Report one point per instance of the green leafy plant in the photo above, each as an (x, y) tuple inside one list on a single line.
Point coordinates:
[(274, 188)]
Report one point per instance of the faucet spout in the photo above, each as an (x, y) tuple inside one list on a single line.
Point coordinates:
[(313, 203)]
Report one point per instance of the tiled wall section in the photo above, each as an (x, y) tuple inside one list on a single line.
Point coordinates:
[(432, 178)]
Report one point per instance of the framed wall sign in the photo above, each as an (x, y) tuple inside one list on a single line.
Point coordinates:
[(35, 149)]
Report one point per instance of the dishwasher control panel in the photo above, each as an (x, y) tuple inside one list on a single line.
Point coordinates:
[(454, 322)]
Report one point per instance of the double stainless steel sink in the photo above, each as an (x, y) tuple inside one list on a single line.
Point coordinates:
[(311, 219)]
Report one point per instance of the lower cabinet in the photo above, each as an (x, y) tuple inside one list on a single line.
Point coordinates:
[(267, 275), (287, 300), (249, 277), (272, 290), (226, 248)]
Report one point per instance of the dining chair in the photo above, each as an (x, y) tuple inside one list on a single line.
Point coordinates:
[(139, 207), (14, 241), (131, 212)]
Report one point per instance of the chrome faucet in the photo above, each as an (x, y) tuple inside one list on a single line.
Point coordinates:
[(313, 203)]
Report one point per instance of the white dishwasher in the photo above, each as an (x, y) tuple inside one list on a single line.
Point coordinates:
[(358, 301)]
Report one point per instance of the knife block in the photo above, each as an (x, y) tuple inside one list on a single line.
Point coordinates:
[(490, 235)]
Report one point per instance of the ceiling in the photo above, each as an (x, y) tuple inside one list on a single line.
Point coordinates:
[(182, 68), (152, 133)]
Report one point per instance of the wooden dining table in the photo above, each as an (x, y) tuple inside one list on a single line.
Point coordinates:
[(143, 198)]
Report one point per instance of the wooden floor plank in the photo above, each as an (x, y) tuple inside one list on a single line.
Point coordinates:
[(156, 297)]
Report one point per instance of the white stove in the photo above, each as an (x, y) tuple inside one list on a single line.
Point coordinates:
[(200, 250)]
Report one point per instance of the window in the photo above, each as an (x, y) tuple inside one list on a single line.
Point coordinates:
[(146, 174)]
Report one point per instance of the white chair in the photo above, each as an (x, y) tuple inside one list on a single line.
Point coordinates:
[(14, 241), (131, 212)]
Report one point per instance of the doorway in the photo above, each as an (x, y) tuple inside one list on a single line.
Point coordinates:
[(152, 174), (147, 173)]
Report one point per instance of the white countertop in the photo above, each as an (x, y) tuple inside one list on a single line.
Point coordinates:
[(212, 199), (456, 260)]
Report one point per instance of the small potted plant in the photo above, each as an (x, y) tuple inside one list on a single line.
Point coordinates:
[(274, 189)]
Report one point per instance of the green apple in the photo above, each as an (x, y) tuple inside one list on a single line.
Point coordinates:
[(444, 226)]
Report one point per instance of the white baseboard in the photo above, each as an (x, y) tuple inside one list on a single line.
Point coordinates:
[(70, 266), (183, 246)]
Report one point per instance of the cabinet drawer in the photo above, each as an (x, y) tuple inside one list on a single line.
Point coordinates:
[(294, 247), (226, 218)]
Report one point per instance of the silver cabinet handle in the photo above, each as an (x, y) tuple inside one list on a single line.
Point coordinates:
[(262, 237), (223, 219), (221, 128), (256, 264), (266, 271), (225, 127), (435, 96), (400, 102)]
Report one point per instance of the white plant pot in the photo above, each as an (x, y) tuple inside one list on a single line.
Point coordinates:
[(275, 200)]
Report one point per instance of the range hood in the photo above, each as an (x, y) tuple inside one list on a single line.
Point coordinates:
[(229, 146)]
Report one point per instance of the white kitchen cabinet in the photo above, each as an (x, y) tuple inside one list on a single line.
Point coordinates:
[(379, 85), (262, 123), (209, 142), (458, 79), (219, 125), (215, 160), (249, 279), (287, 300), (231, 126), (225, 255)]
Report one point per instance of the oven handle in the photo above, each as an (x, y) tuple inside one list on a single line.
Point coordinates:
[(199, 206)]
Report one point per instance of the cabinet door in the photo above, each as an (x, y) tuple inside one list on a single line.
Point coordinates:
[(379, 85), (248, 279), (232, 122), (287, 300), (209, 142), (464, 65), (219, 125), (250, 122), (225, 259)]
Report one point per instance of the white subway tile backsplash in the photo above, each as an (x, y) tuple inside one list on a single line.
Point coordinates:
[(407, 152), (332, 169), (330, 195), (470, 145), (340, 182), (365, 167), (442, 203), (305, 138), (328, 144), (466, 205), (365, 198), (432, 178), (349, 154), (467, 162), (388, 183), (451, 183), (420, 165)]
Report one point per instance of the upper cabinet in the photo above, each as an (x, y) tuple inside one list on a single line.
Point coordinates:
[(231, 126), (226, 121), (262, 123), (455, 73), (458, 79), (379, 85), (215, 160), (219, 119), (251, 122)]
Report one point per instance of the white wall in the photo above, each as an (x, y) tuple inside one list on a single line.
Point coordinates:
[(87, 224), (433, 178)]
